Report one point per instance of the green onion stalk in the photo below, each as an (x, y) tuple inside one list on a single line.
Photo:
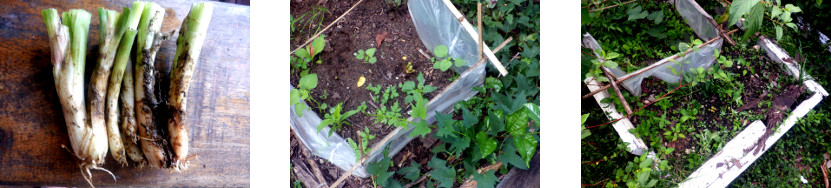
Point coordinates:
[(188, 47), (68, 41), (149, 39)]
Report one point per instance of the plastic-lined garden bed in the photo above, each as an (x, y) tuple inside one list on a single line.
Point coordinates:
[(745, 147), (437, 23)]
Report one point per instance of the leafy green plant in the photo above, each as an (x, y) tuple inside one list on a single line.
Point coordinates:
[(336, 119), (366, 56), (302, 92), (442, 61), (755, 11), (638, 173), (379, 170), (303, 56), (361, 148), (605, 59), (412, 89)]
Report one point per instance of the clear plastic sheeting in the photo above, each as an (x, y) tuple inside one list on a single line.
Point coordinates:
[(699, 21), (436, 25), (459, 90), (332, 148)]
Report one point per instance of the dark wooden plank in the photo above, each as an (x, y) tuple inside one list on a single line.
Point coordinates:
[(32, 128)]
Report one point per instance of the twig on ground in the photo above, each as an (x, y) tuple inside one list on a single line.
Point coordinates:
[(326, 28)]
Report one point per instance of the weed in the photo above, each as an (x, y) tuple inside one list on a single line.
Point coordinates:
[(336, 119), (366, 56)]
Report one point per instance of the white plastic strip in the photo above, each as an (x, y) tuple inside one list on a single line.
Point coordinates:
[(635, 145), (731, 161)]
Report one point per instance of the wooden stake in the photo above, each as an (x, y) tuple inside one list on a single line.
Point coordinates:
[(617, 91), (479, 15)]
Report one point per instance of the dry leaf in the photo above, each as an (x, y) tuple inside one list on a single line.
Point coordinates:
[(380, 37)]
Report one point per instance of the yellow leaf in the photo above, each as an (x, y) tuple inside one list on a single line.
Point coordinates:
[(361, 81)]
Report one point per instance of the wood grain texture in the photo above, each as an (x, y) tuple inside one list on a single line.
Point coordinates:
[(32, 128)]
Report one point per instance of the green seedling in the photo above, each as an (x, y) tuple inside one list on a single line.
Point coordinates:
[(303, 56), (442, 61), (302, 92), (366, 56), (336, 119)]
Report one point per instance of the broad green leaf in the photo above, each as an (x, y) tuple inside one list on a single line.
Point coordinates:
[(487, 180), (459, 145), (421, 128), (318, 44), (517, 123), (459, 62), (495, 123), (791, 25), (308, 82), (360, 55), (509, 156), (442, 65), (683, 47), (441, 172), (775, 11), (373, 60), (738, 8), (428, 89), (420, 108), (295, 96), (302, 52), (445, 125), (658, 16), (637, 13), (491, 82), (643, 176), (610, 64), (411, 172), (468, 118), (298, 109), (486, 143), (611, 55), (370, 52), (533, 111), (526, 145), (409, 85), (379, 169), (778, 33), (753, 21), (440, 51), (792, 8)]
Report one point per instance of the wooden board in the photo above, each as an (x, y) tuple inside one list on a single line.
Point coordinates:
[(32, 128)]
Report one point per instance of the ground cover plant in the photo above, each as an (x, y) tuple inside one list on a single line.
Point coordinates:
[(492, 132), (692, 123)]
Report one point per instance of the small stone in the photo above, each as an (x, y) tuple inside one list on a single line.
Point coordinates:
[(336, 95), (756, 47), (377, 126), (687, 151)]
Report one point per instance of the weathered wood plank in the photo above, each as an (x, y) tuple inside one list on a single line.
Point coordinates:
[(32, 128)]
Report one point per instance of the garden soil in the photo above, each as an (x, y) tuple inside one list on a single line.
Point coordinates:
[(338, 73)]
